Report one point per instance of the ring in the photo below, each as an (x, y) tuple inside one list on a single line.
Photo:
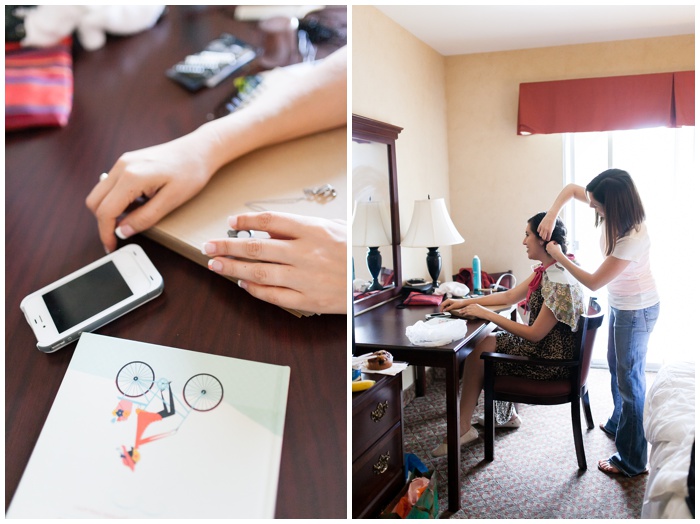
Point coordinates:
[(240, 233), (103, 176)]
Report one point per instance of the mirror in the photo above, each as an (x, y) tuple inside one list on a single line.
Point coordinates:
[(374, 180)]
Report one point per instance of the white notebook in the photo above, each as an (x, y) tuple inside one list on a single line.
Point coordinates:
[(145, 431)]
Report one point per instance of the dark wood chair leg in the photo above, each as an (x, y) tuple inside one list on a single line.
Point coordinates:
[(489, 422), (587, 408), (578, 436)]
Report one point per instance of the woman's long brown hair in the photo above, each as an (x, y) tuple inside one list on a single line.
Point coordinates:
[(623, 208)]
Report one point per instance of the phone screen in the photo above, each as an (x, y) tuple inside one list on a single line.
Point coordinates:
[(87, 295)]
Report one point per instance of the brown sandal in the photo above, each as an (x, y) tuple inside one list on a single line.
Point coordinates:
[(607, 467), (604, 430)]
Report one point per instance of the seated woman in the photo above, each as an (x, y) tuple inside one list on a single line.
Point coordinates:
[(548, 333)]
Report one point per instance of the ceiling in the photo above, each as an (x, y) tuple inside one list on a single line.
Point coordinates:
[(456, 30)]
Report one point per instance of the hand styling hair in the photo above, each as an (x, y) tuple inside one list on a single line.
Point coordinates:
[(558, 234), (622, 205)]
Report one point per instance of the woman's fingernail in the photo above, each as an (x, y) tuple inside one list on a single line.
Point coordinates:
[(243, 284), (215, 265), (233, 221), (208, 248), (124, 231)]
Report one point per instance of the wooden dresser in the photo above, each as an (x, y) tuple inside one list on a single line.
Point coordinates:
[(377, 446)]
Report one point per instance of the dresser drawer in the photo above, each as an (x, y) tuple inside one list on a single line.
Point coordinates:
[(378, 475), (374, 412)]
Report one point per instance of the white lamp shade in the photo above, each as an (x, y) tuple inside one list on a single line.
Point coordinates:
[(371, 225), (431, 225)]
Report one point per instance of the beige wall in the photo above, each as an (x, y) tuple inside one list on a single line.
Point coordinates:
[(399, 80), (498, 179)]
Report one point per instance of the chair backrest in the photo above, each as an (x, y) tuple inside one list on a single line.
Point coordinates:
[(505, 279), (588, 326)]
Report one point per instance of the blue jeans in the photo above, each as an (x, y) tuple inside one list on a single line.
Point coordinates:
[(628, 335)]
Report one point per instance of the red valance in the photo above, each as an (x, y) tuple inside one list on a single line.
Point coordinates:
[(606, 104), (684, 97)]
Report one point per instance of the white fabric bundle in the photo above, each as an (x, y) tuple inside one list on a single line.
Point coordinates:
[(436, 331), (46, 25)]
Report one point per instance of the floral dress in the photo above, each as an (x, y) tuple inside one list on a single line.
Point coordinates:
[(563, 295)]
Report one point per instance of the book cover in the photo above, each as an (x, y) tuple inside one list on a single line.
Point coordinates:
[(145, 431)]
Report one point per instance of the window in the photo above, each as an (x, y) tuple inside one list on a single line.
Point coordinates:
[(662, 163)]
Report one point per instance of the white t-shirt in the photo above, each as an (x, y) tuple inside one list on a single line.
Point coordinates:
[(634, 288)]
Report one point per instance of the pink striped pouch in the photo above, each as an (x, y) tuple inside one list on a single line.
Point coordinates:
[(38, 85)]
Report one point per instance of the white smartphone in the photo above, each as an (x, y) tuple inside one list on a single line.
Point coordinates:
[(91, 297)]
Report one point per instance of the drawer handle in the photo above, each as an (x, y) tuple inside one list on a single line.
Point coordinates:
[(378, 413), (382, 464)]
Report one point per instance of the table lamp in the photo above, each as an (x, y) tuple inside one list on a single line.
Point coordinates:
[(370, 229), (431, 226)]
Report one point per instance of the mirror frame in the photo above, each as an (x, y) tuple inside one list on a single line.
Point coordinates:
[(368, 130)]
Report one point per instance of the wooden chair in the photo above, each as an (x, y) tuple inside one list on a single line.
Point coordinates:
[(546, 392)]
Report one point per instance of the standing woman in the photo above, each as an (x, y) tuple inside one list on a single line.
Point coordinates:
[(633, 299)]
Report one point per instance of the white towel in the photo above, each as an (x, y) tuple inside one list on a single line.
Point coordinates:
[(452, 289)]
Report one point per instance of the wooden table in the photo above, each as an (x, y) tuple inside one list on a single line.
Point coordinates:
[(384, 327), (123, 101)]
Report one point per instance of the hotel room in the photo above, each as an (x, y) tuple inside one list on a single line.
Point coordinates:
[(455, 100)]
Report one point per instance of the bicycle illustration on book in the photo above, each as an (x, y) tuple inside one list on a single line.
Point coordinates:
[(136, 380)]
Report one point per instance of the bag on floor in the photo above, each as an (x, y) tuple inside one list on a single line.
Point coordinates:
[(417, 500)]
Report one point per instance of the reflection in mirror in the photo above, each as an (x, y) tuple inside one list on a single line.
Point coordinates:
[(371, 223), (375, 235)]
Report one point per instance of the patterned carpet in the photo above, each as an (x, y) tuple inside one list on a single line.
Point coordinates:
[(534, 473)]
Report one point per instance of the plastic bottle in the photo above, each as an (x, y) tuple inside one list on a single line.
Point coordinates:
[(476, 275)]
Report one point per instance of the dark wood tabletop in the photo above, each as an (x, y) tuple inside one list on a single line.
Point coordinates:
[(385, 327), (123, 101)]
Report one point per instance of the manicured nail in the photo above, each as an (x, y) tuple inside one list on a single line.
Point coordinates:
[(208, 248), (215, 265), (124, 231), (243, 284), (233, 221)]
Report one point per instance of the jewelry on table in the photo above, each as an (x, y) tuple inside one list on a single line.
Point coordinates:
[(320, 194), (240, 233)]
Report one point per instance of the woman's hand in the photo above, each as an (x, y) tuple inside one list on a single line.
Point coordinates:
[(452, 304), (475, 310), (167, 175), (544, 230), (302, 266), (554, 250)]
